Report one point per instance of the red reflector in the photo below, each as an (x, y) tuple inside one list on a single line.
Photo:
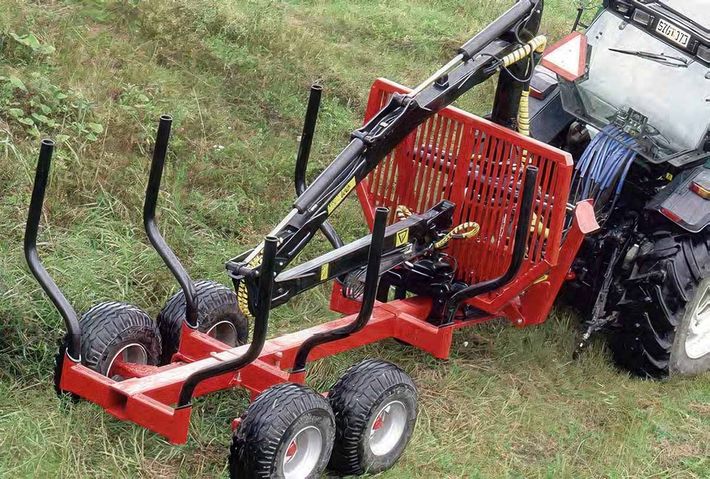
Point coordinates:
[(670, 215), (699, 190)]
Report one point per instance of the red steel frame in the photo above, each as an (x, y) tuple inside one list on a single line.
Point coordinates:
[(149, 394), (437, 162)]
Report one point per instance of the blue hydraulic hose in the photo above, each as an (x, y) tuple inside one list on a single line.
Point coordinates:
[(604, 166)]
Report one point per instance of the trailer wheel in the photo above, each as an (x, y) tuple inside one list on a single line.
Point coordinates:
[(287, 432), (665, 322), (218, 316), (375, 406), (112, 332)]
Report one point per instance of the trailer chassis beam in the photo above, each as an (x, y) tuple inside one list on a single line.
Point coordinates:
[(149, 398)]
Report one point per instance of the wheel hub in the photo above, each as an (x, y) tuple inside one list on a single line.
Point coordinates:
[(697, 341), (303, 453), (225, 332), (388, 428), (133, 353)]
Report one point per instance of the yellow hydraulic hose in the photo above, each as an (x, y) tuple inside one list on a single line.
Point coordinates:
[(403, 212), (524, 112), (466, 230), (536, 45), (243, 292)]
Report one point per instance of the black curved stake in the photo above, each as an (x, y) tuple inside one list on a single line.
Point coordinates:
[(372, 279), (309, 127), (519, 248), (304, 152), (71, 320), (261, 322), (151, 229)]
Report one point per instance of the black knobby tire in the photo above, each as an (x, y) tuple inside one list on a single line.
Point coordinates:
[(665, 278), (262, 440), (216, 304), (108, 328), (357, 399)]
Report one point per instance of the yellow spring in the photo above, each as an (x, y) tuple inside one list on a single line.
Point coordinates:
[(537, 44), (472, 227), (524, 114), (243, 292), (403, 212)]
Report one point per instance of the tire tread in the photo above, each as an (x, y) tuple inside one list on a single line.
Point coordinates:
[(652, 309), (255, 443), (109, 323), (352, 397), (212, 297)]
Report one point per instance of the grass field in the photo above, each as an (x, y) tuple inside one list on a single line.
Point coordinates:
[(234, 74)]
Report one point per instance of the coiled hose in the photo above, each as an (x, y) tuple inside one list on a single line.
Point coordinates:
[(601, 171), (243, 291), (536, 45)]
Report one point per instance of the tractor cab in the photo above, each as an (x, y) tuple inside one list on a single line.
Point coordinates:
[(648, 73)]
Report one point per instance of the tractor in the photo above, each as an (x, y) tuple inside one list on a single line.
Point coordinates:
[(586, 179), (637, 121)]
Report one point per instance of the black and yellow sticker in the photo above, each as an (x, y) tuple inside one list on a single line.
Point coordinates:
[(335, 202), (324, 270), (402, 237)]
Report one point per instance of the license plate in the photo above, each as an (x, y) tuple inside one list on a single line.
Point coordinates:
[(673, 33)]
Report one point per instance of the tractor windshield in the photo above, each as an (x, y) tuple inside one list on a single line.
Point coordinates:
[(636, 77), (695, 10)]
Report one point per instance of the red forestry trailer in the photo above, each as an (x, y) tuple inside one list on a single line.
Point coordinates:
[(470, 221)]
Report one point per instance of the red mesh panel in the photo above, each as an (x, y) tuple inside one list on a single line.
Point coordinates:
[(479, 166)]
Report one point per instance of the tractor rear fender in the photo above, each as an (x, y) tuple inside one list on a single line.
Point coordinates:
[(686, 200)]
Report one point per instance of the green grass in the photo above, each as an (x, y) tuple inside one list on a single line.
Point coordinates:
[(234, 74)]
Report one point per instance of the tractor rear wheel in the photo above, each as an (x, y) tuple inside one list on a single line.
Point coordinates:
[(664, 325), (218, 316)]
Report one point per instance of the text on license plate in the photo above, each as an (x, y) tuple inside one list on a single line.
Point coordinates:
[(673, 33)]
